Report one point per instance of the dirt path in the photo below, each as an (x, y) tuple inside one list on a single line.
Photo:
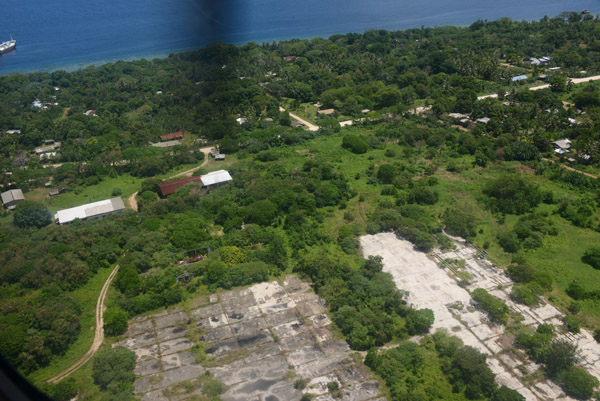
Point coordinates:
[(189, 172), (571, 168), (545, 86), (311, 127), (206, 151), (98, 336)]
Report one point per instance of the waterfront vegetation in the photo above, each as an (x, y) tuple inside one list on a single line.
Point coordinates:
[(299, 199)]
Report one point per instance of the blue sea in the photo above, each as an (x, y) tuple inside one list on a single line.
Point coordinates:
[(72, 34)]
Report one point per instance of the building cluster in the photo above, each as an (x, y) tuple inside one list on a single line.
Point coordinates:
[(465, 120), (206, 181), (49, 150)]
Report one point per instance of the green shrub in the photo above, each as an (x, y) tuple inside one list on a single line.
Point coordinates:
[(592, 257), (509, 241), (213, 388), (527, 294), (355, 144), (115, 321), (578, 383), (497, 309)]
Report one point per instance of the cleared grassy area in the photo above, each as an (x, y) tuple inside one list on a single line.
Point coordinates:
[(86, 297), (560, 256)]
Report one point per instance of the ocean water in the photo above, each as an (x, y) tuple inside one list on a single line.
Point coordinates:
[(71, 34)]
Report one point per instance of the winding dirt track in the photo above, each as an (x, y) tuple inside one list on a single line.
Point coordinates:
[(311, 127), (98, 336), (206, 152)]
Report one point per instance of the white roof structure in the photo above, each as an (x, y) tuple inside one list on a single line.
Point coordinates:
[(562, 143), (216, 177), (12, 195), (166, 144), (95, 209)]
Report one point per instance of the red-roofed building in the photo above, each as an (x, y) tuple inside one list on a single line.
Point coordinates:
[(168, 188), (172, 136)]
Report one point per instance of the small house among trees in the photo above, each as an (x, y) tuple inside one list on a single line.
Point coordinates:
[(172, 136), (11, 198)]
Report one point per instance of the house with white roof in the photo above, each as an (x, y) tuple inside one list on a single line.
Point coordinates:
[(215, 179), (561, 146)]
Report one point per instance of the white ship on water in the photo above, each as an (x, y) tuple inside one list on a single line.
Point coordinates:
[(7, 46)]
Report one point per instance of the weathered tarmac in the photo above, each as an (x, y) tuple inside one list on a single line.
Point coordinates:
[(259, 342), (438, 289)]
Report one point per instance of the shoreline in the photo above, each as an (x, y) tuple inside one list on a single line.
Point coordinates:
[(77, 65)]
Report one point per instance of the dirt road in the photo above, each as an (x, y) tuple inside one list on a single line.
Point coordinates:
[(571, 168), (99, 334), (311, 127), (546, 86), (206, 151)]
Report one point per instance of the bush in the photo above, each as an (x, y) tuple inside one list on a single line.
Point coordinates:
[(592, 257), (497, 309), (573, 323), (116, 192), (423, 196), (527, 294), (578, 383), (113, 368), (386, 173), (31, 214), (115, 321), (459, 222), (506, 394), (560, 356), (576, 291), (213, 388), (355, 144), (512, 195), (509, 241)]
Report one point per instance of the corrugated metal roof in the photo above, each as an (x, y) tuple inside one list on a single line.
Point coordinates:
[(89, 210), (168, 188), (12, 195), (172, 135), (216, 177)]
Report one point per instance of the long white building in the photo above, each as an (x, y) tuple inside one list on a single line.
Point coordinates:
[(89, 211)]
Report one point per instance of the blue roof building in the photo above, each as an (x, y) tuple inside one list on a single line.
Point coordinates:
[(518, 78)]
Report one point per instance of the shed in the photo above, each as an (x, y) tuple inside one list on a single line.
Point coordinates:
[(168, 188), (11, 197), (166, 144), (90, 211), (172, 136), (216, 178), (518, 78)]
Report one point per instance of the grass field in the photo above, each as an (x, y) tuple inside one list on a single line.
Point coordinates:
[(560, 256)]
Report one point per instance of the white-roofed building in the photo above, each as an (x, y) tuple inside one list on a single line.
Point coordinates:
[(91, 210), (11, 197), (215, 178)]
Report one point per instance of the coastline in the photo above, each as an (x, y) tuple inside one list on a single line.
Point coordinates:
[(76, 64)]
